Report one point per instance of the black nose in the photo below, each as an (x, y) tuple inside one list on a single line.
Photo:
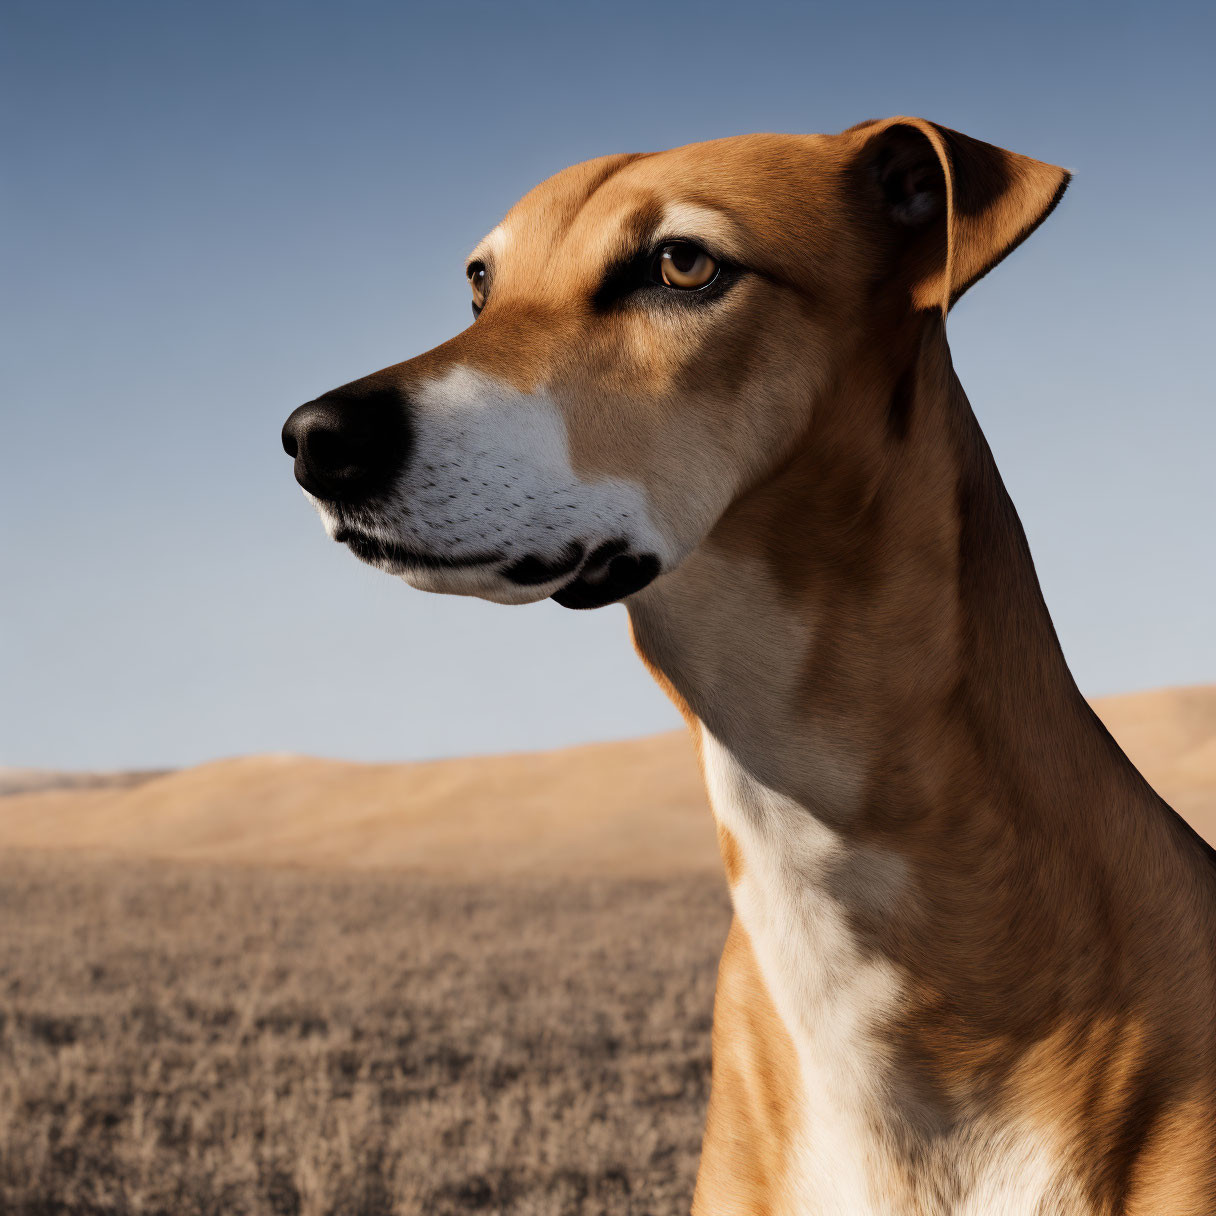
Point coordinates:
[(349, 444)]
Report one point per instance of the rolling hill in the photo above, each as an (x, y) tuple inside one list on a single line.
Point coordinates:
[(634, 808)]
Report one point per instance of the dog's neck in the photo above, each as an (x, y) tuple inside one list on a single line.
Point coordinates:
[(884, 711), (926, 830), (864, 631)]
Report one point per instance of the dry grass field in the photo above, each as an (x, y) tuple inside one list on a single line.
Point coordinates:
[(280, 985), (188, 1039)]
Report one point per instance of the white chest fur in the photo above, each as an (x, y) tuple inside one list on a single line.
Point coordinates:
[(836, 999), (832, 999)]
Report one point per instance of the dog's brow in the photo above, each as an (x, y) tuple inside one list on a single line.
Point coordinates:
[(489, 247), (655, 219), (713, 225)]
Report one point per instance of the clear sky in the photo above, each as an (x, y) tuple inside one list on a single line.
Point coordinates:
[(214, 211)]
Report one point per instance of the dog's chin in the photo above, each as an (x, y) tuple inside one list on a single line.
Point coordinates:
[(579, 576), (482, 585)]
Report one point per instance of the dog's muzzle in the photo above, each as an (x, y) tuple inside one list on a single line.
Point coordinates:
[(352, 448)]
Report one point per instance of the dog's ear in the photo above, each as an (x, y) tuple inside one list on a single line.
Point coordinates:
[(959, 205)]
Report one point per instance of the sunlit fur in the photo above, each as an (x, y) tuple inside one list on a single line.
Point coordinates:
[(972, 966)]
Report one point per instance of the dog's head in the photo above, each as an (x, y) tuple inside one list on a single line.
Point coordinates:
[(651, 336)]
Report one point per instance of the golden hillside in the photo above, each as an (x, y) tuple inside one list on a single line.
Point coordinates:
[(632, 808)]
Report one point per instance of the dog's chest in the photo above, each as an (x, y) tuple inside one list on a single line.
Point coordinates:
[(855, 1144), (831, 999)]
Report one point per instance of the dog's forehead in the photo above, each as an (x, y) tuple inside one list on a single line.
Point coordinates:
[(732, 193)]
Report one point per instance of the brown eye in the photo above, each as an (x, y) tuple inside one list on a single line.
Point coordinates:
[(686, 266), (478, 282)]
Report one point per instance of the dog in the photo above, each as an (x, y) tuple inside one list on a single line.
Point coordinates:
[(971, 967)]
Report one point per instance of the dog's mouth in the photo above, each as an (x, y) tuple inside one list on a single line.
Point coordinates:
[(397, 557), (585, 577)]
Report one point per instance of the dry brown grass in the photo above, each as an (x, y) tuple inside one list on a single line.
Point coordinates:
[(524, 1030), (188, 1040)]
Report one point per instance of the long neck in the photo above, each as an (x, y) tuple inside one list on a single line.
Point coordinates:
[(865, 651)]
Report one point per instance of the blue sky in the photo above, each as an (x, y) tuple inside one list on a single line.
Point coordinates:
[(213, 212)]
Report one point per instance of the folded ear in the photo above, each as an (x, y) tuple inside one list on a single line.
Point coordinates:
[(962, 205)]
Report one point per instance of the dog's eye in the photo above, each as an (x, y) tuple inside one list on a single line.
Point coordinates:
[(478, 281), (685, 266)]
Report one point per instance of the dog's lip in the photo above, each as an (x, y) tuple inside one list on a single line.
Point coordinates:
[(386, 552), (623, 574), (608, 573)]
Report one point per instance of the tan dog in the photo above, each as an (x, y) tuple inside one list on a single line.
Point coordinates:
[(972, 965)]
